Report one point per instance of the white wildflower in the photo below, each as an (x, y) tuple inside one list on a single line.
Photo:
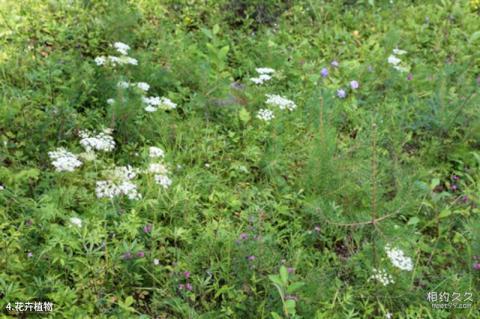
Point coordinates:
[(118, 184), (143, 86), (88, 156), (265, 115), (123, 84), (157, 168), (265, 70), (129, 60), (2, 188), (398, 258), (163, 180), (382, 276), (63, 160), (281, 102), (153, 103), (156, 262), (76, 221), (100, 60), (261, 79), (101, 142), (399, 52), (110, 101), (393, 60), (121, 48), (156, 152)]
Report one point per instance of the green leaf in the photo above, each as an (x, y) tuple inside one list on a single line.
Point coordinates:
[(284, 275), (413, 221), (244, 115)]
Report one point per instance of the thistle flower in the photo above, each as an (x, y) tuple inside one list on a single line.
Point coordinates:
[(354, 85), (140, 254), (265, 115), (281, 102), (341, 93), (147, 228), (63, 160), (324, 72), (398, 258)]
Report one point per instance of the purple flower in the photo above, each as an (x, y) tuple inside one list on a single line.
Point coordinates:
[(140, 254), (181, 286), (147, 228), (189, 287), (29, 255), (341, 93), (354, 85), (454, 187), (476, 266), (127, 255), (324, 72), (464, 198), (243, 236), (290, 270), (251, 258), (186, 274), (334, 64), (410, 76), (455, 177)]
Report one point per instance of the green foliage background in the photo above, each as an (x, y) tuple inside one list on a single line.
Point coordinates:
[(307, 185)]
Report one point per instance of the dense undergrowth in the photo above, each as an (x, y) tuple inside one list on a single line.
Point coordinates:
[(144, 174)]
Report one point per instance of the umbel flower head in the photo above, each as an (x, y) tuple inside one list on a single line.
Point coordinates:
[(398, 258), (154, 103), (382, 276), (101, 142), (63, 160), (280, 102), (264, 75), (265, 115), (118, 184)]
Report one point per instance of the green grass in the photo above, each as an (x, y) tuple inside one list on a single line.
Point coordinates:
[(287, 218)]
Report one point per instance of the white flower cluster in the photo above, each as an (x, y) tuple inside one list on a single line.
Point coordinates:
[(101, 142), (281, 102), (154, 103), (264, 75), (382, 276), (398, 258), (159, 170), (121, 48), (155, 152), (75, 221), (63, 160), (265, 115), (118, 184), (396, 62), (141, 85)]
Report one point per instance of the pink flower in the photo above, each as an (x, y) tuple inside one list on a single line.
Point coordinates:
[(147, 228), (189, 286), (186, 274)]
